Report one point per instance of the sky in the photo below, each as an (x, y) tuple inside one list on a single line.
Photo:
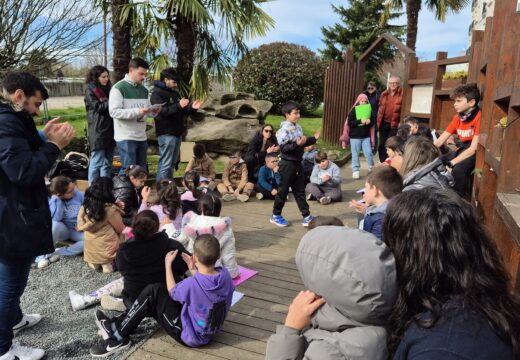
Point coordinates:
[(299, 21)]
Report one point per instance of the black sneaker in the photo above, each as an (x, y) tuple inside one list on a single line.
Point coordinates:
[(104, 324), (109, 347)]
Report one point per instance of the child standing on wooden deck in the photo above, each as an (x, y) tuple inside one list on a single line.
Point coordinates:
[(192, 311)]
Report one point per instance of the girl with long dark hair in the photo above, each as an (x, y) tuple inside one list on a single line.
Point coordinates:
[(454, 299), (100, 124)]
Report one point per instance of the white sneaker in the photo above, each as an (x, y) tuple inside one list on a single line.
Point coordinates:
[(109, 302), (242, 197), (19, 352), (28, 320), (325, 200), (309, 197), (229, 197), (43, 263), (355, 175), (53, 258), (259, 195), (80, 302)]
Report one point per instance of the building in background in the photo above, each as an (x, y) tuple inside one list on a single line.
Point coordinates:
[(480, 10)]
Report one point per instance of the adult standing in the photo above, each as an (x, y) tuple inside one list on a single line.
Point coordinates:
[(25, 218), (129, 106), (263, 143), (170, 122), (373, 96), (388, 114), (100, 124)]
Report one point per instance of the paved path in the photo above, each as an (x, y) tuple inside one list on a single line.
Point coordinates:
[(269, 250)]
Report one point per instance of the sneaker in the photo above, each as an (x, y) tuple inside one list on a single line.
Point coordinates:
[(109, 302), (355, 175), (325, 200), (108, 268), (278, 220), (96, 267), (307, 220), (309, 197), (109, 347), (104, 324), (19, 352), (80, 302), (43, 263), (242, 197), (28, 320), (259, 195), (229, 197), (54, 257)]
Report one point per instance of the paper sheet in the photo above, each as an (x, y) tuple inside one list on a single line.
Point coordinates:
[(236, 297)]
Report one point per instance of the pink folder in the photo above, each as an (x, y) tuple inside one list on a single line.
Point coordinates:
[(245, 274)]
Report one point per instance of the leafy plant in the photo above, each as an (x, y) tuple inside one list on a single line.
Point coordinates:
[(280, 72), (462, 74)]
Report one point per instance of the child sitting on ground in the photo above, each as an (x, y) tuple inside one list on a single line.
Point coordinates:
[(354, 274), (64, 205), (167, 204), (395, 149), (202, 165), (381, 185), (235, 184), (101, 221), (268, 178), (190, 198), (325, 185), (308, 162), (126, 191), (191, 311), (210, 222)]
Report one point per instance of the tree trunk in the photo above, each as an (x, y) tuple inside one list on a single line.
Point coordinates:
[(412, 17), (121, 36), (185, 37)]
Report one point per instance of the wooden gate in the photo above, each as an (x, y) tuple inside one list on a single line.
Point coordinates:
[(339, 95)]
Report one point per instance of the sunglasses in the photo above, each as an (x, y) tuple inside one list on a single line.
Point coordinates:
[(371, 88), (268, 131)]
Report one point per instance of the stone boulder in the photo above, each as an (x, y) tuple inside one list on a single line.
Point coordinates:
[(227, 121)]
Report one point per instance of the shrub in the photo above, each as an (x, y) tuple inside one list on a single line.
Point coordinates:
[(280, 72)]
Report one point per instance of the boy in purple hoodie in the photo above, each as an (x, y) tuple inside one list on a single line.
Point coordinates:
[(192, 311)]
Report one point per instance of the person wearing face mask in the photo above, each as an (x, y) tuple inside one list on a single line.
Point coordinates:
[(388, 114), (25, 219), (100, 124)]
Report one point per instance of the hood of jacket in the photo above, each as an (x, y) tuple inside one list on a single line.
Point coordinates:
[(86, 224), (353, 270), (215, 286), (433, 174), (377, 209)]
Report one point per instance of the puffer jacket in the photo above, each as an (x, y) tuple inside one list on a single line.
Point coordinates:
[(235, 175), (25, 219), (124, 191), (102, 238), (194, 225), (100, 124), (433, 175), (203, 167), (395, 102), (355, 273)]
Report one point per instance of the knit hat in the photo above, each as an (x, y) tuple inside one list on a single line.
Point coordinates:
[(361, 97)]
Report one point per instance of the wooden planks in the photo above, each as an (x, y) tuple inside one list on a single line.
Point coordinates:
[(269, 250)]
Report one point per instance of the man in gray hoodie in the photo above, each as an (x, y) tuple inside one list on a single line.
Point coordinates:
[(352, 281)]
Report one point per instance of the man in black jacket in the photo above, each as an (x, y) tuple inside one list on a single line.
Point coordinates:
[(25, 219), (170, 122)]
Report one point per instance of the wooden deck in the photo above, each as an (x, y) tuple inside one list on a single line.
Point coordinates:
[(270, 250)]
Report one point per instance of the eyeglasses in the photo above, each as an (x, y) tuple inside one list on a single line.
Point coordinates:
[(268, 131), (371, 88), (393, 83)]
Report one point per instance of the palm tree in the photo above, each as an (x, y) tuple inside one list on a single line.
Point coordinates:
[(121, 35), (209, 35), (413, 7)]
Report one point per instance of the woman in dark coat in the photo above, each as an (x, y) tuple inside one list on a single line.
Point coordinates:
[(100, 124), (264, 142)]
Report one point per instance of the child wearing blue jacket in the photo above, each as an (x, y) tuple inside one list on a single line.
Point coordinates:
[(64, 205), (269, 178)]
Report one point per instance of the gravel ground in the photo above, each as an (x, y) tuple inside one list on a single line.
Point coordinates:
[(63, 333)]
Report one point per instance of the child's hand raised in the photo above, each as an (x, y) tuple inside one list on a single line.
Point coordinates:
[(302, 308), (317, 134), (301, 140), (170, 257), (145, 193)]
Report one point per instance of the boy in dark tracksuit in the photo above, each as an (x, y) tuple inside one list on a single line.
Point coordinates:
[(292, 143)]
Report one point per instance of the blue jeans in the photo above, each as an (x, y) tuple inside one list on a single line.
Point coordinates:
[(132, 153), (100, 164), (356, 145), (169, 147), (59, 233), (13, 279)]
